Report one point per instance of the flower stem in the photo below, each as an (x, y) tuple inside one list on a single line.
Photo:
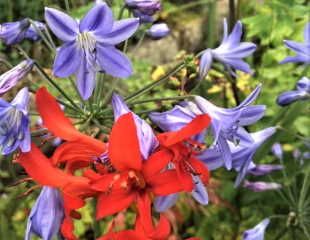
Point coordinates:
[(162, 99)]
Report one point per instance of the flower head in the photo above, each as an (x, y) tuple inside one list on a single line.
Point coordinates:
[(302, 50), (258, 232), (10, 78), (158, 31), (302, 92), (277, 150), (14, 32), (14, 124), (46, 215), (230, 52), (226, 124), (263, 169), (89, 45), (144, 9)]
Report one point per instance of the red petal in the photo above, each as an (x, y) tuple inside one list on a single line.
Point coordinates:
[(144, 210), (155, 163), (56, 121), (162, 230), (42, 171), (112, 203), (67, 228), (75, 151), (196, 126), (124, 150), (201, 169), (166, 183), (185, 178)]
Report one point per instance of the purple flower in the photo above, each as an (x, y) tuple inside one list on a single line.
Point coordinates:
[(144, 9), (89, 45), (46, 215), (302, 92), (10, 78), (263, 169), (258, 232), (147, 140), (158, 31), (302, 50), (261, 186), (242, 156), (230, 52), (277, 150), (226, 125), (14, 123), (15, 32)]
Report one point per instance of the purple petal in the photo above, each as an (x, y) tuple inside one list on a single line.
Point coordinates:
[(158, 31), (173, 119), (46, 215), (243, 50), (235, 36), (99, 19), (225, 152), (261, 186), (21, 100), (289, 97), (147, 140), (251, 114), (303, 84), (295, 46), (277, 150), (86, 79), (237, 64), (113, 61), (200, 193), (10, 78), (121, 31), (165, 202), (263, 169), (67, 60), (252, 97), (61, 24), (258, 232), (205, 63), (225, 30), (212, 158)]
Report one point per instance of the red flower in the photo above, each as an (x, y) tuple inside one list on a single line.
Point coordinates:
[(183, 151), (134, 178)]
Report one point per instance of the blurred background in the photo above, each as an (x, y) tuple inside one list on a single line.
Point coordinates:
[(195, 25)]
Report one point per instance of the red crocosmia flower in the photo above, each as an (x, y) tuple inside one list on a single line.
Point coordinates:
[(74, 188), (144, 229), (183, 149), (133, 177)]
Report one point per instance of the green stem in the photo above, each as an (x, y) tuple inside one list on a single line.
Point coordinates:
[(52, 82), (162, 99), (46, 41), (67, 5), (121, 12)]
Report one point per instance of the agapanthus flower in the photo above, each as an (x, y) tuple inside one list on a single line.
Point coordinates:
[(158, 31), (144, 9), (261, 186), (147, 140), (258, 232), (15, 32), (277, 150), (226, 124), (10, 78), (302, 50), (302, 92), (263, 169), (89, 45), (14, 124), (230, 52), (242, 156), (46, 215)]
